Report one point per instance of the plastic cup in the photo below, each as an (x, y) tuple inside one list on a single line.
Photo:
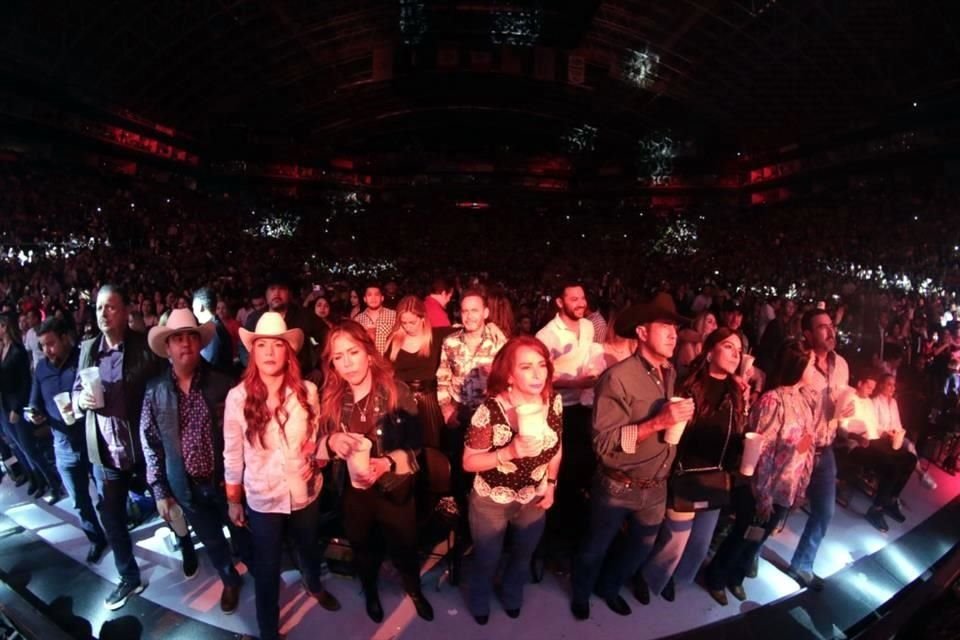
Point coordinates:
[(672, 434), (752, 446), (177, 522), (531, 420), (898, 437), (358, 462), (65, 405), (90, 379), (746, 364)]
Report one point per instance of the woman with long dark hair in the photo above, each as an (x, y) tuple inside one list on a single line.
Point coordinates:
[(414, 349), (273, 449), (706, 461), (516, 473), (361, 400), (785, 419)]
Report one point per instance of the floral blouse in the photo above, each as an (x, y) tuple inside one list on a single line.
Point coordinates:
[(490, 430), (786, 419)]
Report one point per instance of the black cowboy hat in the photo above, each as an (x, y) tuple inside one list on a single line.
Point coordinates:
[(660, 309)]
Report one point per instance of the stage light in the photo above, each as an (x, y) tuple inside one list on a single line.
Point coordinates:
[(639, 67)]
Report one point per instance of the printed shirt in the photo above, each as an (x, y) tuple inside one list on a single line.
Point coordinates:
[(196, 439), (462, 374), (383, 325), (490, 430), (786, 419)]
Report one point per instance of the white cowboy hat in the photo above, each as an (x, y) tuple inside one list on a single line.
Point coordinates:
[(180, 321), (271, 325)]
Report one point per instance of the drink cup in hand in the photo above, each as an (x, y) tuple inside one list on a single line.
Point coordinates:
[(358, 463), (898, 437), (528, 446), (752, 447), (679, 412)]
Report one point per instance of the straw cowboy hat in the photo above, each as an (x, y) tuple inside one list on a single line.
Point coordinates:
[(271, 325), (660, 309), (180, 321)]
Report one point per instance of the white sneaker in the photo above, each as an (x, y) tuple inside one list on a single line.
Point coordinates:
[(927, 480)]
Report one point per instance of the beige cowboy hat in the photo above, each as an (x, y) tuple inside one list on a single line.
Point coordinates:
[(271, 325), (180, 321)]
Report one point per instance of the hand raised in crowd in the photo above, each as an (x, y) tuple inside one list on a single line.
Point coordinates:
[(673, 412)]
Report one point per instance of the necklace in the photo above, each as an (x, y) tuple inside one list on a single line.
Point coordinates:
[(363, 410)]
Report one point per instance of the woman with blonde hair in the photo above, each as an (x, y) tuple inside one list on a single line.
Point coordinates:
[(414, 349), (273, 451), (362, 401)]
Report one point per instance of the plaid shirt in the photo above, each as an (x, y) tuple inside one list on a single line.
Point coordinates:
[(462, 375), (384, 325)]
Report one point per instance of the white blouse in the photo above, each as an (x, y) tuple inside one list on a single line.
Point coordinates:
[(270, 474)]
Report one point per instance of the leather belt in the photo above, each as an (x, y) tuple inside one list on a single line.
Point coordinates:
[(624, 478)]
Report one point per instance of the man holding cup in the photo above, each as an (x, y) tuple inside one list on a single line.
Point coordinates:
[(51, 402), (181, 427), (108, 395), (633, 407)]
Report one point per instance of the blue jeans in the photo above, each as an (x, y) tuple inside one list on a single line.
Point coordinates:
[(266, 532), (822, 494), (114, 486), (207, 515), (489, 522), (643, 511), (74, 467), (682, 546)]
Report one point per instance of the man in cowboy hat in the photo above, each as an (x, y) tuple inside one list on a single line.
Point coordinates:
[(182, 431), (279, 293), (123, 363), (632, 407)]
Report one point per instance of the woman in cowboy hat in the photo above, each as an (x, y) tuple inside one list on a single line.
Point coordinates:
[(361, 400), (272, 454)]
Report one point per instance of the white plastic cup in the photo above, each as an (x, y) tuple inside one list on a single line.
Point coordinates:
[(746, 364), (90, 379), (672, 434), (177, 522), (752, 446), (65, 405), (358, 462), (898, 437), (531, 420)]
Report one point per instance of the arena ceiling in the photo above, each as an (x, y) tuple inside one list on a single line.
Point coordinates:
[(384, 75)]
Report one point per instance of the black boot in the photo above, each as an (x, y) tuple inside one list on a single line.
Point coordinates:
[(374, 608), (423, 607)]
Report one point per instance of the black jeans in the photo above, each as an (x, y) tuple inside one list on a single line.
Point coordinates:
[(893, 467), (207, 515), (373, 521), (113, 486), (733, 559), (267, 532)]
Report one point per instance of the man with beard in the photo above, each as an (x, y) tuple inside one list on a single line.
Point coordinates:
[(834, 377), (576, 365), (55, 375), (631, 410), (377, 319), (279, 294)]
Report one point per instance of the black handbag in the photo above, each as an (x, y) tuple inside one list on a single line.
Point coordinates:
[(702, 488)]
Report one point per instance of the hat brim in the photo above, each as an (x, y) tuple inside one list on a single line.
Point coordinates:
[(638, 314), (293, 337), (157, 336)]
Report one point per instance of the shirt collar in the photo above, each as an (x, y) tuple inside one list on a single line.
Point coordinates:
[(105, 348)]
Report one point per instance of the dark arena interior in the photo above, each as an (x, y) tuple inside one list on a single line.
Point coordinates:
[(380, 319)]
